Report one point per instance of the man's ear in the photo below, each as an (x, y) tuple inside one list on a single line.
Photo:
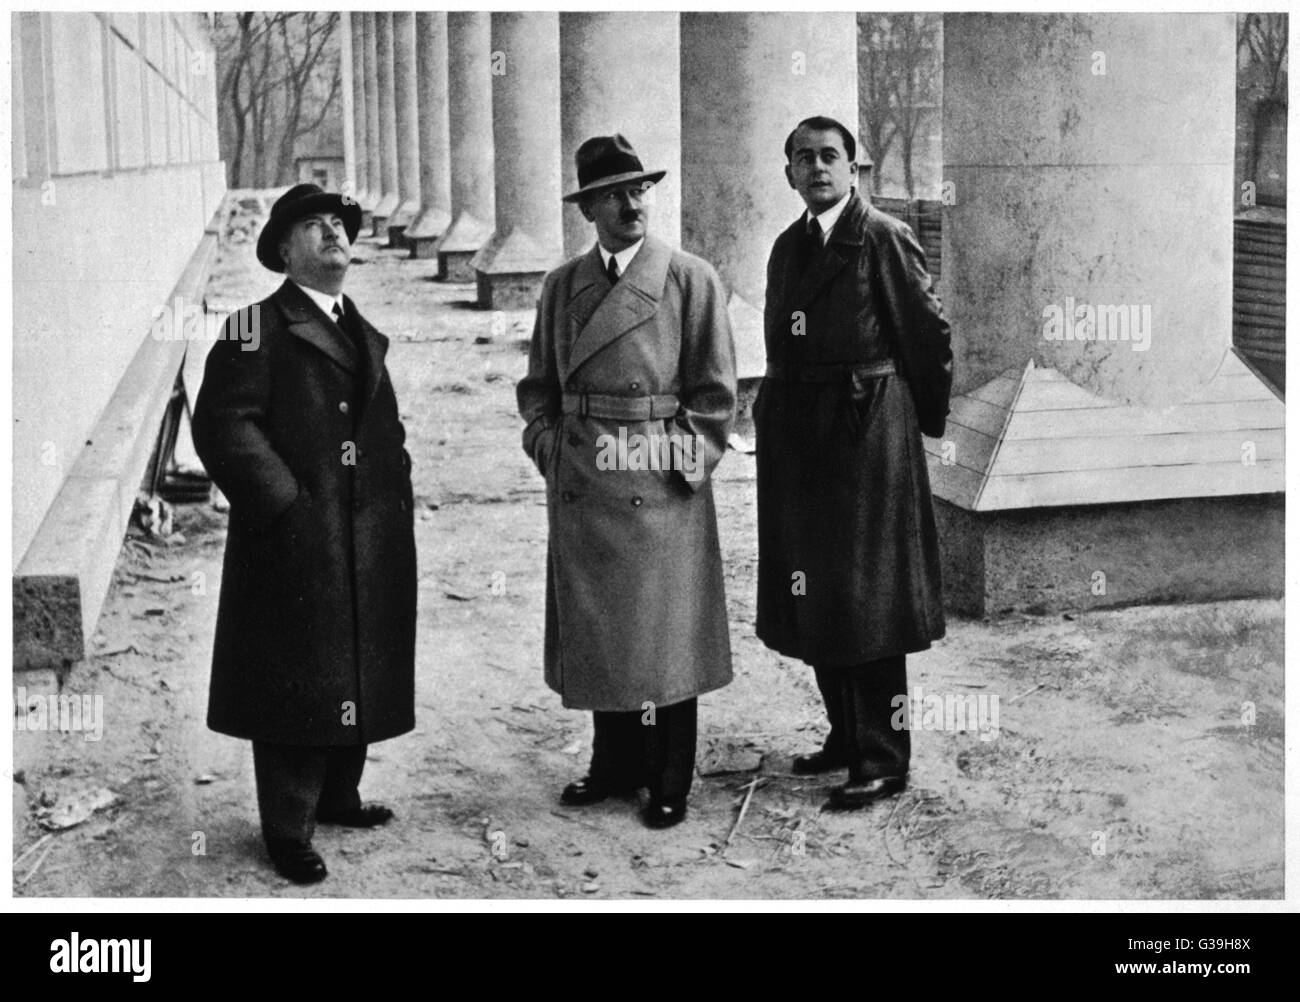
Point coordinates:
[(853, 169), (789, 175), (585, 208)]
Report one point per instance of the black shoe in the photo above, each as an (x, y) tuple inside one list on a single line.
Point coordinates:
[(816, 762), (365, 816), (859, 793), (296, 860), (664, 813), (588, 791)]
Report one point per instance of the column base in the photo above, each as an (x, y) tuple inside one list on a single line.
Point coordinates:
[(378, 225), (367, 221), (456, 266), (424, 248), (509, 290), (396, 236), (1082, 557)]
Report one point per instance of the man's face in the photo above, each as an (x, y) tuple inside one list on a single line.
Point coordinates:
[(819, 168), (620, 214), (315, 251)]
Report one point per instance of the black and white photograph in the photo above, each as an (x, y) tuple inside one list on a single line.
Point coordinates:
[(620, 458)]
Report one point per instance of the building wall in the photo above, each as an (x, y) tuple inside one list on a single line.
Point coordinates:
[(116, 173)]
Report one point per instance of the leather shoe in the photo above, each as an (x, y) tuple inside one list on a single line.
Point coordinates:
[(816, 762), (588, 791), (859, 793), (296, 860), (663, 813), (365, 816)]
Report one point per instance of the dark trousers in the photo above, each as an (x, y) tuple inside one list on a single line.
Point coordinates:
[(859, 704), (627, 753), (295, 782)]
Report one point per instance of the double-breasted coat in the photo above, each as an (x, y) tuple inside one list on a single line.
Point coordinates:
[(635, 605), (315, 639), (848, 551)]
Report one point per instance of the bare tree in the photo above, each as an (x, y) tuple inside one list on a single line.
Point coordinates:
[(1262, 38), (899, 69), (279, 82), (875, 127)]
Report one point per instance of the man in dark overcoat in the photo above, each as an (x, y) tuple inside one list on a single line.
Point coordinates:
[(628, 401), (298, 425), (859, 364)]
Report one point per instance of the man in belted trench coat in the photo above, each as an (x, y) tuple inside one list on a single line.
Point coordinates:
[(315, 645), (859, 365), (628, 401)]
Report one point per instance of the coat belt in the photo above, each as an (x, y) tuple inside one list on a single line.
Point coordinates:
[(613, 408), (830, 373)]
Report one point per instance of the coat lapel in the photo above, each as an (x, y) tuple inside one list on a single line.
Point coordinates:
[(831, 261), (376, 346), (598, 320), (308, 322)]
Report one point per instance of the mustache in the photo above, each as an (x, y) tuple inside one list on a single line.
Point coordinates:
[(629, 216)]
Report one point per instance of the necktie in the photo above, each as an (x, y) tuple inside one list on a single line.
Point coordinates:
[(612, 270), (812, 245), (337, 313)]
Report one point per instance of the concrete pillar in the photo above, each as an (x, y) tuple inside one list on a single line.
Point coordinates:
[(389, 199), (605, 87), (406, 88), (348, 90), (469, 101), (360, 138), (747, 80), (1104, 446), (528, 241), (423, 234), (370, 58), (1096, 163)]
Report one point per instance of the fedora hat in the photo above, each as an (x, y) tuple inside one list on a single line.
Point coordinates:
[(303, 200), (604, 161)]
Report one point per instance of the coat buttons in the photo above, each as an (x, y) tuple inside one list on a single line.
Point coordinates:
[(575, 440), (567, 495), (634, 386), (636, 501), (343, 406)]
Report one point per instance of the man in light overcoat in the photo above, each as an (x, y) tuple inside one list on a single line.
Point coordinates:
[(628, 401)]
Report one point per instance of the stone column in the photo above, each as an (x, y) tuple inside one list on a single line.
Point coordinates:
[(357, 47), (435, 144), (747, 80), (348, 92), (469, 100), (528, 241), (389, 199), (605, 87), (1096, 163), (370, 55), (406, 88), (1104, 445)]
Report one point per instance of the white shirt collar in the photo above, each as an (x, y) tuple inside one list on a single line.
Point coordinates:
[(623, 257), (827, 219), (322, 299)]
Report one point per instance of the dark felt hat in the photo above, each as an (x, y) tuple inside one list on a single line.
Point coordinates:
[(303, 200), (604, 161)]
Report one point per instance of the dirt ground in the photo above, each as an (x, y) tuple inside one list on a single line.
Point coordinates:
[(1122, 768)]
